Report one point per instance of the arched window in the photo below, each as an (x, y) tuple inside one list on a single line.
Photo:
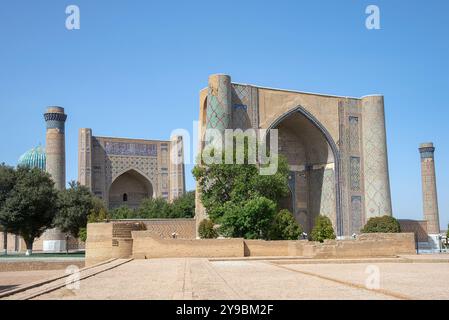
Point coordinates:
[(125, 197)]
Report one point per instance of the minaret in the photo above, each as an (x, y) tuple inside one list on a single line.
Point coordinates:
[(429, 188), (55, 146)]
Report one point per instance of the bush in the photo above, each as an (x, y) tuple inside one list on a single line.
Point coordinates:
[(82, 234), (385, 224), (183, 206), (323, 229), (97, 214), (123, 213), (285, 227), (206, 230), (250, 220)]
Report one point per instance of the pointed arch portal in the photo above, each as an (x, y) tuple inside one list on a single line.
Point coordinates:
[(314, 161), (129, 189)]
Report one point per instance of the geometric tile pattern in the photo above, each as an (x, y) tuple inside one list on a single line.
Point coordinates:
[(377, 189), (217, 112), (354, 136), (121, 164), (355, 174), (131, 149), (356, 214), (328, 195), (244, 109)]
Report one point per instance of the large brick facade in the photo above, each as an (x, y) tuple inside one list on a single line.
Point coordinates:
[(335, 146)]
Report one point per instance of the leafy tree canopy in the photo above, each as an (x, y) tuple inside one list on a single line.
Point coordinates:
[(206, 230), (159, 208), (183, 206), (7, 182), (285, 227), (75, 204), (385, 224), (154, 208), (30, 206), (238, 183), (123, 212), (250, 220), (323, 229)]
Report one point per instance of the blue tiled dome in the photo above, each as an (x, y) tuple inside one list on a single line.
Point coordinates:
[(34, 158)]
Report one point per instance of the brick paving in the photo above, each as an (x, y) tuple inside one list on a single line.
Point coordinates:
[(189, 278)]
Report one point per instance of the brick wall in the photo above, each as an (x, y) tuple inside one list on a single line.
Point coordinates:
[(256, 248), (102, 245), (113, 240), (366, 245), (146, 246), (419, 228)]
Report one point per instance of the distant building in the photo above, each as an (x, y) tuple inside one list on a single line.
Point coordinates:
[(123, 172)]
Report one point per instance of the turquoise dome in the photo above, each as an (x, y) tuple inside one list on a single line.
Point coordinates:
[(34, 158)]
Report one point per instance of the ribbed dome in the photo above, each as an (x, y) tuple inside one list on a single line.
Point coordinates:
[(34, 158)]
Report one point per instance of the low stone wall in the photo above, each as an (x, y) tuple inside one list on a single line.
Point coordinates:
[(98, 243), (108, 240), (365, 246), (123, 240), (146, 246), (260, 248), (7, 266)]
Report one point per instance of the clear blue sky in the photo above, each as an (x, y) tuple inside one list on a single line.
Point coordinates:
[(135, 68)]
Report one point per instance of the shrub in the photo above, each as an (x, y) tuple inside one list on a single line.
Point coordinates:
[(99, 213), (285, 227), (385, 224), (183, 206), (153, 208), (323, 229), (123, 212), (206, 230), (82, 234), (250, 220)]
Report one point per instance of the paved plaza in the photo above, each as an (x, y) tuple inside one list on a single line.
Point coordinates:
[(189, 278)]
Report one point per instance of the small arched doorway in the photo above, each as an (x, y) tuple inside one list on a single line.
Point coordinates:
[(129, 189)]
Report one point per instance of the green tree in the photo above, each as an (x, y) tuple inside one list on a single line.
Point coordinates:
[(238, 183), (184, 206), (123, 212), (98, 213), (253, 220), (30, 206), (384, 224), (157, 208), (206, 229), (285, 227), (323, 229), (75, 204), (7, 182)]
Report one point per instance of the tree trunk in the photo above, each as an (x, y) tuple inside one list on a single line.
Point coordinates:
[(5, 242), (29, 244)]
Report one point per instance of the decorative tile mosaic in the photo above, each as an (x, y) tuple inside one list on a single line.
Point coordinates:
[(131, 149)]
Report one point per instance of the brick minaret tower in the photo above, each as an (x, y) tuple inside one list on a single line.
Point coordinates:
[(429, 188), (55, 146), (53, 239)]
